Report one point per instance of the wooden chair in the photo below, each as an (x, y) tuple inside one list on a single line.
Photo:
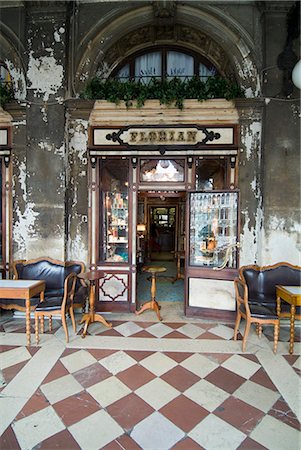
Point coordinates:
[(57, 305), (253, 313)]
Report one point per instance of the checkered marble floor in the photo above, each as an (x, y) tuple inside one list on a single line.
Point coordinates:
[(148, 385)]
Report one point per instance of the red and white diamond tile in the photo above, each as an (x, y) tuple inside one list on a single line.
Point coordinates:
[(148, 385)]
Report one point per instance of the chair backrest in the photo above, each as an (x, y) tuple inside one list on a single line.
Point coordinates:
[(263, 279), (53, 271), (69, 290)]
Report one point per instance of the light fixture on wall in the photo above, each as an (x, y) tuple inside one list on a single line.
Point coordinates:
[(141, 228), (296, 75)]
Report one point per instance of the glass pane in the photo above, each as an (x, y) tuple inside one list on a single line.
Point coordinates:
[(114, 211), (148, 66), (124, 73), (213, 228), (206, 72), (179, 65), (211, 174), (171, 170)]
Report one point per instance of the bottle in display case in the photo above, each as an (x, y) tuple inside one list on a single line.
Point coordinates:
[(213, 228), (115, 227)]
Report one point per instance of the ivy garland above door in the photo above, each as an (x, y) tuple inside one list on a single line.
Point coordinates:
[(168, 92)]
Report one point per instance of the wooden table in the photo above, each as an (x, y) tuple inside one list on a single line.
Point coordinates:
[(291, 295), (153, 304), (20, 290), (91, 277)]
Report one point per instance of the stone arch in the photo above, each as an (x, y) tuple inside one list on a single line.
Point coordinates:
[(206, 30), (10, 54)]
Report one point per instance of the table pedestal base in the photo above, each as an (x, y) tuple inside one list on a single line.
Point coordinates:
[(150, 305), (90, 318)]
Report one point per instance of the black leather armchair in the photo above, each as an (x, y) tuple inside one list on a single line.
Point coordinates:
[(54, 273)]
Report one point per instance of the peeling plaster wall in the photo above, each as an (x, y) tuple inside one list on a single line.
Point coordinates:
[(77, 190)]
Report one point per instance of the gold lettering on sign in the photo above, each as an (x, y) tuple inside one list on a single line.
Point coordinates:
[(160, 136)]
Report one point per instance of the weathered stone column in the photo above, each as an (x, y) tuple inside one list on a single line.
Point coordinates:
[(39, 223)]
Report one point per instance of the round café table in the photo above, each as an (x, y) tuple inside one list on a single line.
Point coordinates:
[(153, 304), (91, 277)]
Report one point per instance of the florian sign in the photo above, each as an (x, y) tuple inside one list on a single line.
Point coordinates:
[(167, 136)]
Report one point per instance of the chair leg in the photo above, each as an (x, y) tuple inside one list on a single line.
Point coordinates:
[(276, 336), (237, 322), (36, 322), (244, 341), (259, 330), (42, 324), (50, 323), (65, 327), (72, 318)]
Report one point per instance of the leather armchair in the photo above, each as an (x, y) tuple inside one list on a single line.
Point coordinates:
[(54, 273)]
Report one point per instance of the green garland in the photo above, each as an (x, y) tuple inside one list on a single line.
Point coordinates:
[(6, 93), (167, 92)]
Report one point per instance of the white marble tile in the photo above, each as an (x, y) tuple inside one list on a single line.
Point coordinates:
[(199, 365), (256, 395), (37, 427), (191, 330), (158, 363), (156, 432), (128, 328), (242, 366), (276, 435), (95, 431), (297, 363), (159, 329), (284, 378), (61, 388), (14, 356), (26, 382), (117, 362), (78, 360), (223, 331), (206, 394), (157, 393), (108, 391), (214, 433)]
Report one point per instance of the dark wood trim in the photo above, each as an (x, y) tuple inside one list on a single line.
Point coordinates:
[(211, 314), (263, 268)]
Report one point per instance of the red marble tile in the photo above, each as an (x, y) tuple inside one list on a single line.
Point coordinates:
[(184, 413), (250, 357), (218, 358), (225, 379), (57, 371), (178, 356), (282, 412), (91, 375), (176, 335), (37, 402), (174, 325), (10, 372), (109, 332), (144, 324), (250, 444), (180, 378), (129, 410), (291, 359), (99, 353), (143, 334), (6, 348), (138, 355), (62, 440), (187, 444), (208, 335), (123, 442), (33, 350), (239, 414), (261, 377), (69, 351), (76, 407), (8, 440), (135, 376)]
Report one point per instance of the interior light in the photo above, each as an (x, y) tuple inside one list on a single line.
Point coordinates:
[(296, 75)]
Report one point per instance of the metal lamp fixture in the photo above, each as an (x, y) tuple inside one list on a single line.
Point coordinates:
[(296, 75)]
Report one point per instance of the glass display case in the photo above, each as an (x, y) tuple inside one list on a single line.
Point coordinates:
[(114, 232), (213, 229), (115, 227)]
